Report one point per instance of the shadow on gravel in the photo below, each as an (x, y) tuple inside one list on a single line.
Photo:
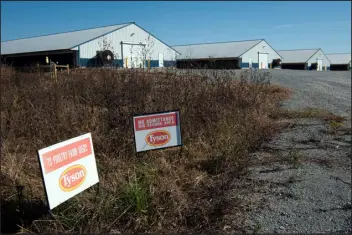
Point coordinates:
[(303, 174)]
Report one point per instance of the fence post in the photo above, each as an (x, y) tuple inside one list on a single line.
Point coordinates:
[(51, 71), (68, 69), (55, 72)]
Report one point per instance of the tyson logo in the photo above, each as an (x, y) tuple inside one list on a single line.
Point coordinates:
[(158, 138), (72, 178)]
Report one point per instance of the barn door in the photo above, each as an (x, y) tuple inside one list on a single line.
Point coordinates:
[(133, 55), (319, 64), (161, 60), (127, 56), (263, 60), (137, 56)]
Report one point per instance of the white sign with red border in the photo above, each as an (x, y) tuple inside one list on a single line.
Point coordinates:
[(157, 131), (68, 168)]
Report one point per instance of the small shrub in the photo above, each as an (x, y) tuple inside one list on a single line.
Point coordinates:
[(135, 195)]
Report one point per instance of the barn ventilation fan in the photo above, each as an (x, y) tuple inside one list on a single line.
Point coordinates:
[(105, 57)]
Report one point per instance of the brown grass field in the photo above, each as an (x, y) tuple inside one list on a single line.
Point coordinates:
[(172, 190)]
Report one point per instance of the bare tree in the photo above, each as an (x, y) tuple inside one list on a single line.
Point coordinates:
[(147, 50), (139, 53), (132, 58), (105, 44), (136, 57), (142, 52)]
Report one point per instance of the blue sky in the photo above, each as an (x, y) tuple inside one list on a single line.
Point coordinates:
[(285, 25)]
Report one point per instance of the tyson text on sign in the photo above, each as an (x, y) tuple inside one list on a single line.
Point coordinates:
[(68, 168), (158, 130)]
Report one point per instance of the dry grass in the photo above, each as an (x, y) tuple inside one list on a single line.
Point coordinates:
[(160, 191), (308, 113)]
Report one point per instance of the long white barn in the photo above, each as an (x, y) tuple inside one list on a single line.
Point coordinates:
[(227, 55), (304, 59), (340, 61), (131, 45)]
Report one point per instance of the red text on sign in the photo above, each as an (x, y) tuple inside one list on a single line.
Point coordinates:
[(155, 121), (66, 154)]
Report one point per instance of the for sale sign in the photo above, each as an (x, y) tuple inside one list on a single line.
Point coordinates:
[(157, 130), (68, 168)]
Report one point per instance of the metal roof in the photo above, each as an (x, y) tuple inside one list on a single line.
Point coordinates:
[(341, 58), (297, 56), (156, 37), (59, 41), (215, 50)]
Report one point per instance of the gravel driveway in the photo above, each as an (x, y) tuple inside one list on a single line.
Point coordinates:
[(303, 176), (326, 90)]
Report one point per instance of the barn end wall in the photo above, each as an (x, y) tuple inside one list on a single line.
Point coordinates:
[(253, 53), (319, 55), (129, 34)]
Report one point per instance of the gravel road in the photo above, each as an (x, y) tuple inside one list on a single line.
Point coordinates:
[(327, 90), (303, 181), (303, 175)]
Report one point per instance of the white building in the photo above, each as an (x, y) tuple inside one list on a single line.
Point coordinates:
[(340, 61), (130, 44), (227, 55), (304, 59)]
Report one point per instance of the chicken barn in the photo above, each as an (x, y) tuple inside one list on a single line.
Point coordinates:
[(340, 61), (123, 45), (304, 59), (228, 55)]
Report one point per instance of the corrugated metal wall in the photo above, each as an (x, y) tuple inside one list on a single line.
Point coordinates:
[(129, 34), (253, 54)]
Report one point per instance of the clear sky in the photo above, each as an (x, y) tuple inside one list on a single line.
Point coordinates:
[(285, 25)]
